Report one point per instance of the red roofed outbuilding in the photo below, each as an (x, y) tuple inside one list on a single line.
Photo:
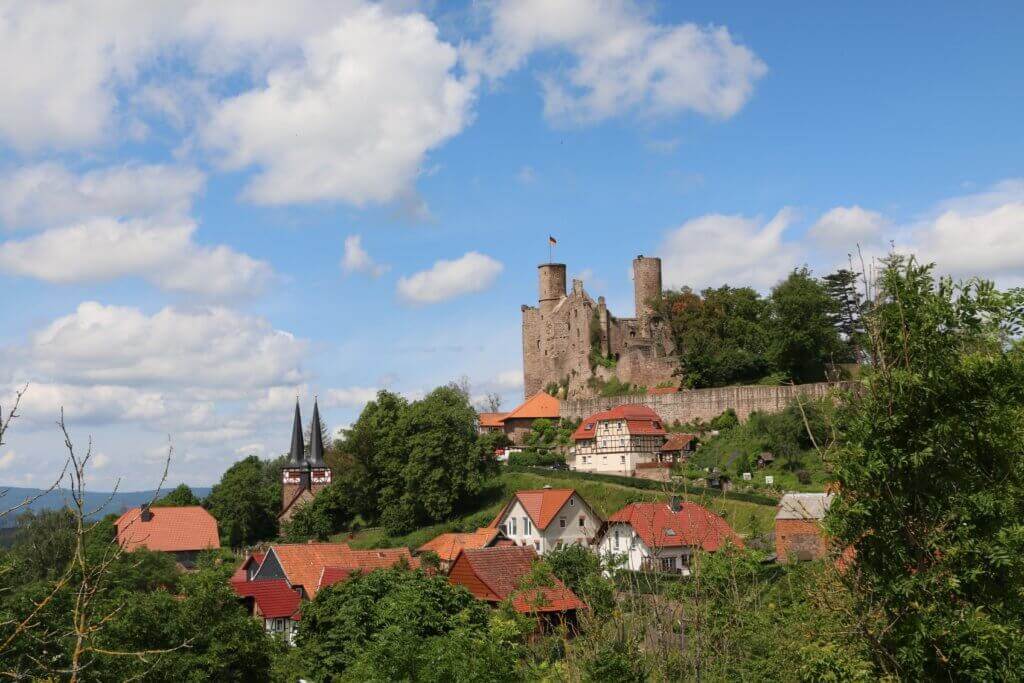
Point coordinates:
[(182, 531), (618, 441), (501, 573), (664, 536)]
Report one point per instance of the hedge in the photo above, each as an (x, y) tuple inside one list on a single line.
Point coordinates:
[(638, 483)]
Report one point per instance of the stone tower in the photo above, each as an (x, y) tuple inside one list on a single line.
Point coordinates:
[(551, 286), (646, 291)]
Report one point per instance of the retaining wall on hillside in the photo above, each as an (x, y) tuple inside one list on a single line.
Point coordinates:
[(703, 403)]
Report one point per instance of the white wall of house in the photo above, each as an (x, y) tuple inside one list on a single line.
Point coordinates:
[(287, 628), (520, 528), (613, 450), (621, 540)]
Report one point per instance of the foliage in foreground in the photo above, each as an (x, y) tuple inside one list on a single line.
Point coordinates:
[(932, 479)]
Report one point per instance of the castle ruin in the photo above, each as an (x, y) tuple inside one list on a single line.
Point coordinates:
[(571, 341)]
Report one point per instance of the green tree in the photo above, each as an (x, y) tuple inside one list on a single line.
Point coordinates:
[(848, 315), (246, 502), (181, 496), (803, 338), (721, 334), (329, 512), (398, 624), (930, 479), (445, 466), (43, 544)]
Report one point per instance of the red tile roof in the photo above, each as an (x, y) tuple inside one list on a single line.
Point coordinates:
[(540, 504), (540, 404), (659, 527), (640, 421), (494, 574), (676, 441), (303, 563), (172, 529), (447, 546), (364, 562), (274, 598), (492, 419)]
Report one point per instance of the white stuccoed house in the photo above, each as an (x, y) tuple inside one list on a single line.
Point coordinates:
[(548, 519)]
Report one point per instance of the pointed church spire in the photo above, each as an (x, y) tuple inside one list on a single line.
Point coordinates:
[(316, 439), (298, 448)]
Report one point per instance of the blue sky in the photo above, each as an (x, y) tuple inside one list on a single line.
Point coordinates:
[(208, 208)]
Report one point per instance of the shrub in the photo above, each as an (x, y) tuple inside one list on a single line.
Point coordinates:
[(803, 476)]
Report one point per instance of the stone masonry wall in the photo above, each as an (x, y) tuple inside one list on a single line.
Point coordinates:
[(703, 403)]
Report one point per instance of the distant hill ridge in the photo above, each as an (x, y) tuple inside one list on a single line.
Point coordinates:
[(118, 503)]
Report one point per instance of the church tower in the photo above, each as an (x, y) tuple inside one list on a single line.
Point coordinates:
[(294, 475), (319, 472), (301, 477)]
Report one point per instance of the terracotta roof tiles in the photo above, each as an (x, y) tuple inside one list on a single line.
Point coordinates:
[(494, 574), (541, 404), (492, 419), (447, 546), (540, 504), (640, 421), (274, 598), (659, 527), (171, 529)]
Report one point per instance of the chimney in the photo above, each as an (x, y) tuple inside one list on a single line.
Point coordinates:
[(145, 514)]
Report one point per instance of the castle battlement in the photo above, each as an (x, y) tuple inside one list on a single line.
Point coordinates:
[(573, 341)]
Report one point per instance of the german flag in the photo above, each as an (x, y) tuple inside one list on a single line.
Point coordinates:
[(552, 240)]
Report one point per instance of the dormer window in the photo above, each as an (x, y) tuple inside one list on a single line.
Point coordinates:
[(670, 532), (657, 425), (590, 425)]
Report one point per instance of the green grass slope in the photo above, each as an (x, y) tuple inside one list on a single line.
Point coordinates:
[(746, 518)]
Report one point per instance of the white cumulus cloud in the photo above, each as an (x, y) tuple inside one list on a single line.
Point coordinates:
[(847, 226), (357, 260), (213, 348), (353, 119), (48, 194), (622, 60), (714, 250), (473, 272), (164, 254)]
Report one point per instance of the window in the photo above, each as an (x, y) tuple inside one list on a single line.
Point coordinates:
[(572, 502), (536, 546), (583, 522), (616, 539), (622, 459), (512, 525), (561, 522), (527, 529), (668, 563), (590, 425), (657, 425)]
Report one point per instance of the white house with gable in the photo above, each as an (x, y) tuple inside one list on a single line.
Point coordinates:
[(663, 536), (548, 519)]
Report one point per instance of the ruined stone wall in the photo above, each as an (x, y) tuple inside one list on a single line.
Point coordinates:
[(701, 403)]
